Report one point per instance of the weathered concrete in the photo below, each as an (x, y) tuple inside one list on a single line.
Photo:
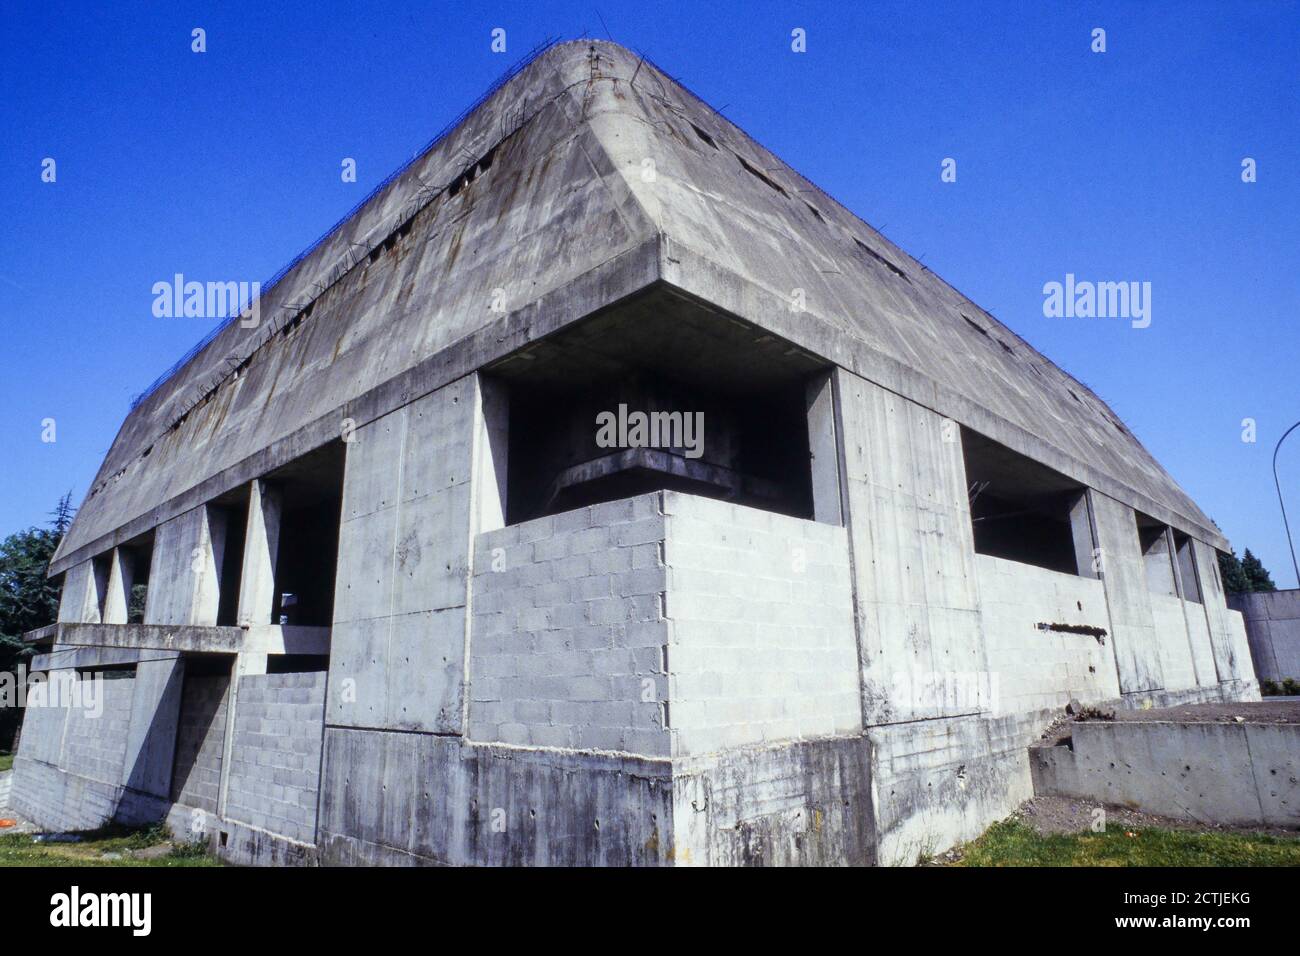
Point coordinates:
[(833, 677), (1272, 622), (1213, 772)]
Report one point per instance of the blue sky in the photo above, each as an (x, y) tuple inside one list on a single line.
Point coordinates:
[(1124, 165)]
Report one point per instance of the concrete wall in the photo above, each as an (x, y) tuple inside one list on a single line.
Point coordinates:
[(398, 643), (913, 552), (275, 761), (71, 766), (1241, 774), (1272, 623), (1039, 668)]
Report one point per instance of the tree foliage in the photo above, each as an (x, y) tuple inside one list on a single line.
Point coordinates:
[(28, 599), (1245, 574)]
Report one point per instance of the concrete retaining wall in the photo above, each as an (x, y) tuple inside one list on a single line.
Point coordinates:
[(1272, 622), (1241, 774)]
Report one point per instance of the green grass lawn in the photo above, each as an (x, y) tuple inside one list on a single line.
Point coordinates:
[(6, 762), (1013, 843), (17, 849)]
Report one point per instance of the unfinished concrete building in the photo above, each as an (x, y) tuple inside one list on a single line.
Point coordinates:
[(402, 602)]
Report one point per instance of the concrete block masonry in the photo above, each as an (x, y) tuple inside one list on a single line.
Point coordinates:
[(404, 607)]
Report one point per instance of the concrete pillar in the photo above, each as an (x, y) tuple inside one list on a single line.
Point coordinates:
[(184, 581), (261, 547), (492, 441), (117, 597), (80, 599), (1084, 532), (824, 449), (1128, 596)]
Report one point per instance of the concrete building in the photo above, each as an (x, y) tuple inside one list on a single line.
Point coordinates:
[(419, 588)]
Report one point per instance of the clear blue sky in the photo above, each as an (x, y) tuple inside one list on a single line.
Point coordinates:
[(1117, 166)]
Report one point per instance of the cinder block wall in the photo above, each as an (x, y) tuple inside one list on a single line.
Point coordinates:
[(567, 641), (94, 745), (200, 739), (274, 775), (70, 766), (1038, 668), (761, 642), (661, 625)]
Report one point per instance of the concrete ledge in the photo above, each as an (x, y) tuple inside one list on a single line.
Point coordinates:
[(1242, 774)]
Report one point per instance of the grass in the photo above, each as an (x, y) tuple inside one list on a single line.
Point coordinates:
[(1013, 843), (6, 762), (18, 850)]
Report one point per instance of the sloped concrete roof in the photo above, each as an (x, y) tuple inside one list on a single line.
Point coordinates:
[(594, 175)]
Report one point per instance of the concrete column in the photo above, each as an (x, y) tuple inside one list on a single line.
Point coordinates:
[(824, 449), (184, 581), (261, 547), (1084, 532), (492, 441), (121, 576), (1128, 596), (80, 599)]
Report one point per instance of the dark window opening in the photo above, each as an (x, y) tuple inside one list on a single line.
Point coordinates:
[(882, 260), (705, 137), (297, 663), (754, 452), (755, 171), (137, 558), (231, 512), (311, 502), (611, 407), (1023, 511)]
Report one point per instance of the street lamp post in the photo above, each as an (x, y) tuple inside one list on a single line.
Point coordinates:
[(1282, 504)]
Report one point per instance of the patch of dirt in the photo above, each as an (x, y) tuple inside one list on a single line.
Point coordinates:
[(1256, 712), (1052, 815)]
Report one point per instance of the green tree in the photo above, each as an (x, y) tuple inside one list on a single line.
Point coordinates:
[(1234, 576), (28, 599), (1256, 574)]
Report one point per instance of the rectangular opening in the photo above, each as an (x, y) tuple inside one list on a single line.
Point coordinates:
[(311, 496), (137, 555), (1023, 511), (1187, 570), (1153, 537), (232, 512), (297, 663)]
